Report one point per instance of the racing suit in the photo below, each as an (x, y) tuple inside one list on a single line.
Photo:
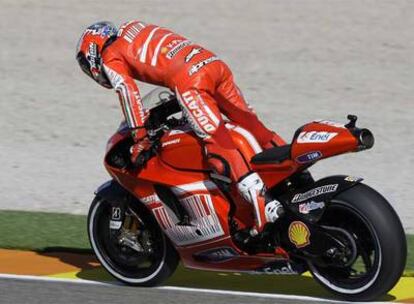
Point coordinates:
[(204, 87)]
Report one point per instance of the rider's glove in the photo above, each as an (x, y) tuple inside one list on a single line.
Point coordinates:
[(142, 142), (137, 150), (139, 134)]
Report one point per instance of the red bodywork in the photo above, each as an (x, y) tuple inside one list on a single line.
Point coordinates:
[(180, 165)]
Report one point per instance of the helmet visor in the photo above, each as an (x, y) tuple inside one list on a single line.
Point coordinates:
[(84, 64)]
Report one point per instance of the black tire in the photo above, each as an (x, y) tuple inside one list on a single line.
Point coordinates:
[(123, 264), (383, 239)]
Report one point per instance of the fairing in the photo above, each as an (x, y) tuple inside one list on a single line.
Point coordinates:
[(179, 165)]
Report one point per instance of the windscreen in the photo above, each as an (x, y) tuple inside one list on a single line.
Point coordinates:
[(156, 97)]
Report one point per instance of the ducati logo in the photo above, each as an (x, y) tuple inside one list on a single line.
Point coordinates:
[(198, 113)]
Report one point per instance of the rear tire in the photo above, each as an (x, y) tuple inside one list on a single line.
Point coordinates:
[(383, 238), (124, 263)]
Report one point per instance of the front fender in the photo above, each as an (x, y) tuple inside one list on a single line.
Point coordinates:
[(112, 192), (117, 197), (309, 202)]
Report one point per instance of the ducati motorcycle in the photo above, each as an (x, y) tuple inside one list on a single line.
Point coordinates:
[(172, 207)]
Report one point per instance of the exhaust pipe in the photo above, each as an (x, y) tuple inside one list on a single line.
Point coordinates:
[(365, 138)]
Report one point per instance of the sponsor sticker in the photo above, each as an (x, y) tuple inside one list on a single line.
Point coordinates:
[(171, 142), (192, 53), (315, 137), (116, 213), (301, 197), (125, 25), (305, 208), (92, 54), (153, 198), (196, 67), (115, 224), (309, 157), (174, 51), (284, 268), (171, 44), (352, 179), (98, 30), (299, 234), (196, 112), (133, 32)]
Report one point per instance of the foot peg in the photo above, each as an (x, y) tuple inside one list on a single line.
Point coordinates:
[(273, 211)]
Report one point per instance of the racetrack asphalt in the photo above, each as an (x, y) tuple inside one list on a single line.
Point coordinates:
[(62, 277), (33, 292)]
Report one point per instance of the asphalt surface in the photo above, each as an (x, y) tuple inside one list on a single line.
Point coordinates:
[(39, 292)]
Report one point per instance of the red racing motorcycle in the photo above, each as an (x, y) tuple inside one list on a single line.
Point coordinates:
[(172, 207)]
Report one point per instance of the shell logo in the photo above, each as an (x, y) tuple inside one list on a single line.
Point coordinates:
[(299, 234)]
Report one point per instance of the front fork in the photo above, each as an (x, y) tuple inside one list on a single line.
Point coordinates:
[(127, 229)]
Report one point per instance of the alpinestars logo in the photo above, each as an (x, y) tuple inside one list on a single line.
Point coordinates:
[(192, 53), (196, 67)]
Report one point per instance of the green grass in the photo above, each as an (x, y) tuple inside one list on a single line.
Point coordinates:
[(410, 258), (46, 231), (40, 230)]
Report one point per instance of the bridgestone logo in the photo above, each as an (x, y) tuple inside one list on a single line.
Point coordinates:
[(301, 197), (178, 48)]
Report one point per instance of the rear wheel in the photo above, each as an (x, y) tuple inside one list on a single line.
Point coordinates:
[(380, 243), (137, 252)]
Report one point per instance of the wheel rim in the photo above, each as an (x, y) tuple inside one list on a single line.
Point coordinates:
[(126, 265), (363, 273)]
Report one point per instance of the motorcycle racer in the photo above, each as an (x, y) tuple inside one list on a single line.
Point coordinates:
[(204, 87)]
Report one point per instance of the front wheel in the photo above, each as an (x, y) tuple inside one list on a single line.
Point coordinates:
[(136, 251), (380, 244)]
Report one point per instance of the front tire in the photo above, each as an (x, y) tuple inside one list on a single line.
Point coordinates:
[(381, 243), (122, 262)]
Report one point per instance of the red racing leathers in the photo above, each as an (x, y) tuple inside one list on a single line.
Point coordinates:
[(203, 84)]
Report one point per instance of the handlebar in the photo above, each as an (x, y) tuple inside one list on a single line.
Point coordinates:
[(154, 136)]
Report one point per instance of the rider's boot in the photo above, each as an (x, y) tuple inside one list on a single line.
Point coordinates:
[(252, 189)]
